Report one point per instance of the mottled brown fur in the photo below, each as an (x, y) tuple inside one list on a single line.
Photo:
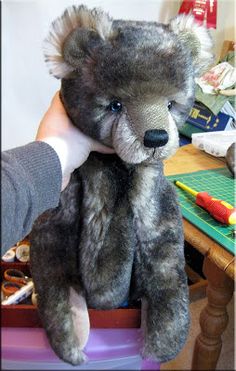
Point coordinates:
[(117, 231)]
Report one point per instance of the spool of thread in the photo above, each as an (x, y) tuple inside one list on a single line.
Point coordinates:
[(10, 255), (23, 252)]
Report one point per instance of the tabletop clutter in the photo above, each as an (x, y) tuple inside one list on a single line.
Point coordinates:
[(16, 286), (211, 123), (19, 252)]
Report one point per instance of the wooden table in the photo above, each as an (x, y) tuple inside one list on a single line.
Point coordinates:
[(218, 266)]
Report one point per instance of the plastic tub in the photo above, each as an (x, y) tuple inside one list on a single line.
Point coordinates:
[(215, 143), (107, 349)]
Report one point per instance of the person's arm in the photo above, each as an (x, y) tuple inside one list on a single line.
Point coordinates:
[(34, 175), (31, 184)]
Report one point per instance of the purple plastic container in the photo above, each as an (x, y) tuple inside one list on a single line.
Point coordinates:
[(107, 349)]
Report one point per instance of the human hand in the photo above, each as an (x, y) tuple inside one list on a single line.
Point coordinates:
[(71, 145)]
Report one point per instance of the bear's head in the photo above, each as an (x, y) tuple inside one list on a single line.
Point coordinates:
[(128, 84)]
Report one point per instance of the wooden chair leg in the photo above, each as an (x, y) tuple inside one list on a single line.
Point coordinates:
[(213, 318)]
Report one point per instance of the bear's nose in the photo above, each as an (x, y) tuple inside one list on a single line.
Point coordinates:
[(155, 138)]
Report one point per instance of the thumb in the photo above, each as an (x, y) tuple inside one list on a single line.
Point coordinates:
[(99, 147)]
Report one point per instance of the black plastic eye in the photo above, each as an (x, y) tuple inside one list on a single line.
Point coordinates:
[(115, 106), (170, 104)]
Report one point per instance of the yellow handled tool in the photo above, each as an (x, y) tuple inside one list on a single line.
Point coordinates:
[(219, 209)]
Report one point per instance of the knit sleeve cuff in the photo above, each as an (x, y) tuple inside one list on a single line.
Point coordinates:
[(41, 166)]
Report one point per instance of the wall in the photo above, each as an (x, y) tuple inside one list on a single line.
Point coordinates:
[(225, 24), (26, 85)]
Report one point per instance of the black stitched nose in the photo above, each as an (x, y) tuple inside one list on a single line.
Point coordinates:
[(155, 138)]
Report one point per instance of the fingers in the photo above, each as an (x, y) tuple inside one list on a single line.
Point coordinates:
[(95, 146), (98, 147), (92, 143), (55, 125)]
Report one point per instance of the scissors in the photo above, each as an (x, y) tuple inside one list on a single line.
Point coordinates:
[(14, 281)]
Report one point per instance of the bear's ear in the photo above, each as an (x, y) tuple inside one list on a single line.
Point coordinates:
[(72, 36), (196, 38)]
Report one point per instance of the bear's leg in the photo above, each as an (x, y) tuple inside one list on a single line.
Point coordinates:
[(165, 313), (159, 268), (54, 262), (165, 323), (61, 304), (65, 319), (107, 264)]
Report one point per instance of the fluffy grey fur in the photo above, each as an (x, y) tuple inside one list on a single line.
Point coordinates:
[(118, 228)]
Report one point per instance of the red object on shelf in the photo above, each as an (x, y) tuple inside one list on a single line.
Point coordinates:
[(201, 10)]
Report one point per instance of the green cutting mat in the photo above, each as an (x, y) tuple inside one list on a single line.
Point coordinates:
[(219, 184)]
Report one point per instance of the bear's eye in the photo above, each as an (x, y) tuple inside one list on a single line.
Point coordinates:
[(170, 104), (115, 106)]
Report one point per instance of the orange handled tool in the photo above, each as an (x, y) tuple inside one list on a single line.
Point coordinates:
[(220, 210)]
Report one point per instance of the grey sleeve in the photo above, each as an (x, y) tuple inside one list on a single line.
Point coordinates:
[(31, 184)]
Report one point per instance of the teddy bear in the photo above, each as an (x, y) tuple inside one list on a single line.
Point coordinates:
[(117, 231)]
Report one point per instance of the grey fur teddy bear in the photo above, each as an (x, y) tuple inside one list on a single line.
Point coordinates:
[(117, 231)]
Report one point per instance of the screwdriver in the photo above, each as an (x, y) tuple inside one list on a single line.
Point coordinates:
[(219, 209)]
